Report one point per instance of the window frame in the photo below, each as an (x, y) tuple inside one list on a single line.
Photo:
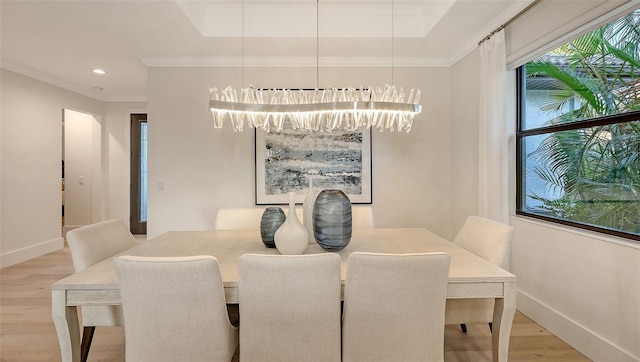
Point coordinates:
[(136, 226), (521, 134)]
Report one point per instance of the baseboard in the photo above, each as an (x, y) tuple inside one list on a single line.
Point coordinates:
[(30, 252), (586, 342)]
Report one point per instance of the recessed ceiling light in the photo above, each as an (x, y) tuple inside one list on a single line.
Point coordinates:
[(99, 71)]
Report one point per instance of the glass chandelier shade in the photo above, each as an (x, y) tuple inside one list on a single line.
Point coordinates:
[(319, 110)]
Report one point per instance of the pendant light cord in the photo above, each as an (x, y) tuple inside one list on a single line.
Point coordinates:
[(392, 15), (317, 44), (242, 44)]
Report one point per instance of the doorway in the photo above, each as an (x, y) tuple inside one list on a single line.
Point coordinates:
[(138, 221), (81, 169)]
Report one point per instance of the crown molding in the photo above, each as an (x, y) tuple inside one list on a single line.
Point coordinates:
[(304, 62), (125, 99), (34, 74), (16, 68), (221, 62), (500, 20)]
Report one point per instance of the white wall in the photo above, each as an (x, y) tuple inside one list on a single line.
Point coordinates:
[(583, 287), (30, 161), (204, 169), (31, 165)]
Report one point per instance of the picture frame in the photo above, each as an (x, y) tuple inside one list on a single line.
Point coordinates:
[(286, 160)]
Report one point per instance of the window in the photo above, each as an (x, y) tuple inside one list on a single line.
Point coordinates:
[(138, 210), (578, 132)]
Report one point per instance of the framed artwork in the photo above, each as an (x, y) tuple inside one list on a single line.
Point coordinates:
[(285, 161)]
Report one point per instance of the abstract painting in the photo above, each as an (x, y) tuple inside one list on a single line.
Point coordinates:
[(286, 160)]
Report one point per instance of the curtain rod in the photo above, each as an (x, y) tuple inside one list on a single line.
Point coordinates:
[(534, 3)]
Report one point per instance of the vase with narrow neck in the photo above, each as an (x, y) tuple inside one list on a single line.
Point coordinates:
[(307, 211), (291, 238)]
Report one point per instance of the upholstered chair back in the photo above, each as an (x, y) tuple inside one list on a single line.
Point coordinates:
[(175, 309), (394, 307), (289, 307)]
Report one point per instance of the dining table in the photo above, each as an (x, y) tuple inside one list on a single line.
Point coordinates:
[(469, 275)]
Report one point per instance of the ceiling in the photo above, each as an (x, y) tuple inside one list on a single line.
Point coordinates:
[(60, 42)]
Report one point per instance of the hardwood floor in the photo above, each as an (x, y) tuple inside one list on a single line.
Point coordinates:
[(27, 332)]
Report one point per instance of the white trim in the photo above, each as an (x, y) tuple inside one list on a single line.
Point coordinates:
[(306, 62), (30, 252), (16, 68), (125, 99), (191, 61), (49, 79), (577, 231), (498, 21), (577, 336)]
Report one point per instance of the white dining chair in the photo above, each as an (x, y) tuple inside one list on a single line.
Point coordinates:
[(362, 217), (175, 309), (394, 307), (289, 307), (490, 240), (89, 245)]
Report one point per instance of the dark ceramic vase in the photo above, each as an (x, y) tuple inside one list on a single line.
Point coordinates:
[(272, 218), (332, 220)]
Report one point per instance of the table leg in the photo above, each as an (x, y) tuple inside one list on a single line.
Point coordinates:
[(503, 312), (67, 326)]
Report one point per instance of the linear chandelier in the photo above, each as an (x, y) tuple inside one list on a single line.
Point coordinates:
[(319, 110)]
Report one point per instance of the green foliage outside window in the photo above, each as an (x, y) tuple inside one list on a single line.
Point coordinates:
[(594, 171)]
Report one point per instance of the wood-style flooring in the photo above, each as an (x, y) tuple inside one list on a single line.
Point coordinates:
[(27, 332)]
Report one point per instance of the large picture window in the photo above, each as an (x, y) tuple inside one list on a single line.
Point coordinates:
[(578, 132)]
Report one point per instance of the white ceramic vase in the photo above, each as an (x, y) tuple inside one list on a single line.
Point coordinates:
[(291, 238), (307, 211)]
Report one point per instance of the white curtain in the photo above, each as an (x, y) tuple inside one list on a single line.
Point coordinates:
[(493, 141)]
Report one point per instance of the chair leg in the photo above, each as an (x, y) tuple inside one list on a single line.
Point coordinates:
[(490, 327), (87, 337)]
